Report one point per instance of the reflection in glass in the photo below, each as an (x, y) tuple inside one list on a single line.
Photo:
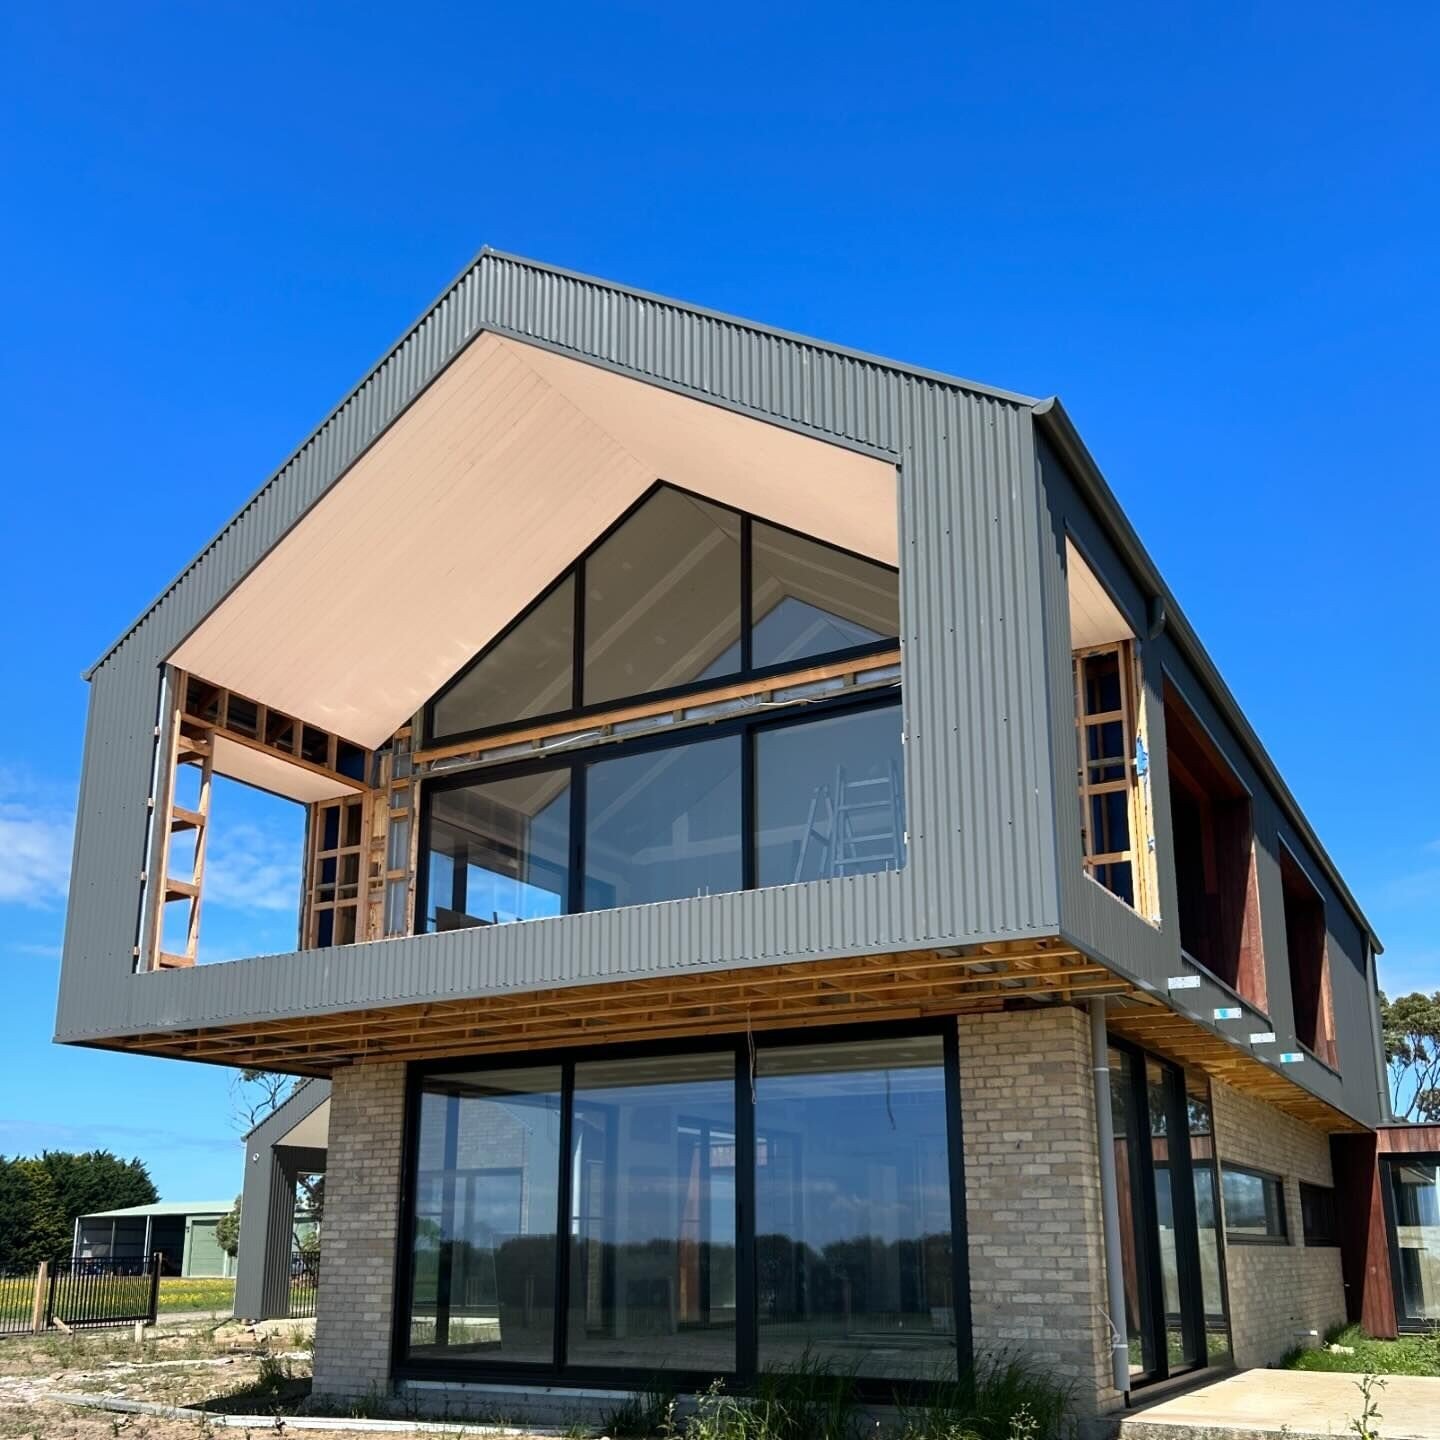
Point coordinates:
[(830, 797), (486, 1193), (662, 599), (853, 1207), (652, 1223), (1254, 1205), (529, 672), (663, 824), (1415, 1189), (499, 851), (810, 599), (1129, 1187), (1162, 1084), (1207, 1218)]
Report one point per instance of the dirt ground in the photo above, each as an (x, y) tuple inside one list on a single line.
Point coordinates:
[(193, 1364)]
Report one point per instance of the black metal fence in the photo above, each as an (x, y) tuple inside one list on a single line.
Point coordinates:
[(304, 1279), (104, 1292), (17, 1302), (79, 1294)]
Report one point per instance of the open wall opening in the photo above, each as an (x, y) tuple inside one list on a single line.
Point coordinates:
[(1113, 773), (1214, 855), (1309, 961)]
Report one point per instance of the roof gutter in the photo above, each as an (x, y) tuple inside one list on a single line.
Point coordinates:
[(1061, 433)]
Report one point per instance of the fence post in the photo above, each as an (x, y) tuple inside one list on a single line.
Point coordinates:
[(155, 1261), (37, 1303)]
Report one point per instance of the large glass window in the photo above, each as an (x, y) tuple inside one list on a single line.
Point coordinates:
[(529, 671), (662, 607), (652, 1214), (1415, 1204), (640, 824), (663, 824), (498, 851), (482, 1273), (852, 1183), (730, 1208), (830, 798), (662, 599), (811, 599)]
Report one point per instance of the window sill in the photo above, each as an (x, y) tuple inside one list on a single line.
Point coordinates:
[(1323, 1064), (1224, 985), (1271, 1241)]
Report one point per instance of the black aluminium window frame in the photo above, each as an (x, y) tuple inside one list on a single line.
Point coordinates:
[(747, 671), (1268, 1177), (578, 760), (1388, 1163), (1182, 1200), (1328, 1233), (746, 1373)]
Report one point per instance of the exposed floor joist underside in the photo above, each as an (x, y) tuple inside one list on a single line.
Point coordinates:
[(1180, 1039), (871, 987), (852, 989)]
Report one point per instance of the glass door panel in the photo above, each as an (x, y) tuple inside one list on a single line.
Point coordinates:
[(852, 1193), (1134, 1250), (1415, 1200), (1175, 1234), (652, 1214)]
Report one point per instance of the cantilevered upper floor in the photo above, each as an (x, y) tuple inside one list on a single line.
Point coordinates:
[(647, 671)]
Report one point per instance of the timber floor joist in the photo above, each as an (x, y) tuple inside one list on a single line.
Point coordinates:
[(709, 1002), (1181, 1039)]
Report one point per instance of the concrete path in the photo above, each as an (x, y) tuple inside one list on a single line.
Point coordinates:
[(1305, 1403)]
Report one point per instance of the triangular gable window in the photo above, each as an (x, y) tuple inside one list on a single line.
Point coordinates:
[(662, 609)]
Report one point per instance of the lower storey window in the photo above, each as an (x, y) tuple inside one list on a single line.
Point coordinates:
[(1254, 1207), (726, 1210)]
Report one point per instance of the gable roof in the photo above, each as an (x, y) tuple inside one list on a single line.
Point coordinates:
[(816, 388)]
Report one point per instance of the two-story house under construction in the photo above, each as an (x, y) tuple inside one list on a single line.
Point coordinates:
[(782, 877)]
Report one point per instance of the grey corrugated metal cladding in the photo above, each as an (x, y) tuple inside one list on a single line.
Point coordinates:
[(986, 786)]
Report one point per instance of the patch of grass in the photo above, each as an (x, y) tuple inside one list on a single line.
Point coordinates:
[(207, 1293), (647, 1412), (1409, 1355)]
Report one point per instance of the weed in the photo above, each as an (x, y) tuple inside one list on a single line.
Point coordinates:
[(1366, 1423), (643, 1414)]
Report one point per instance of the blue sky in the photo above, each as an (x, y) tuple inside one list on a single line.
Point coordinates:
[(1210, 229)]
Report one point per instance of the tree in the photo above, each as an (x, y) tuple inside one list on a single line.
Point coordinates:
[(1411, 1030), (96, 1180), (258, 1094), (227, 1230), (32, 1227)]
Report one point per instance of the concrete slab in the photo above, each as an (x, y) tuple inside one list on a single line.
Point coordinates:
[(1305, 1404)]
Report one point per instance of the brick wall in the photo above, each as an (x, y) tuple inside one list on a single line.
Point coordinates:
[(362, 1217), (1032, 1195), (1276, 1290)]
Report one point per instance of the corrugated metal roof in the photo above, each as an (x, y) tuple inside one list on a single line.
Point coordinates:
[(433, 310), (163, 1208)]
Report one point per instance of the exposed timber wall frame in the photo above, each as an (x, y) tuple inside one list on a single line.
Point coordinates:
[(1118, 861), (692, 708), (215, 731)]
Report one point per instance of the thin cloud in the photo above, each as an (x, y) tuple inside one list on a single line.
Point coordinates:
[(36, 826), (251, 868), (32, 1136)]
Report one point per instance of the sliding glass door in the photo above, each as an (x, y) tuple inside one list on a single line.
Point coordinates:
[(1164, 1160), (699, 1210), (1412, 1200)]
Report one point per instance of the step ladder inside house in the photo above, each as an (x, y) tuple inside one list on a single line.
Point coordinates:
[(853, 827)]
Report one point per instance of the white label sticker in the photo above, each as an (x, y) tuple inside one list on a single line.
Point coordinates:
[(1264, 1037), (1228, 1012), (1183, 982)]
